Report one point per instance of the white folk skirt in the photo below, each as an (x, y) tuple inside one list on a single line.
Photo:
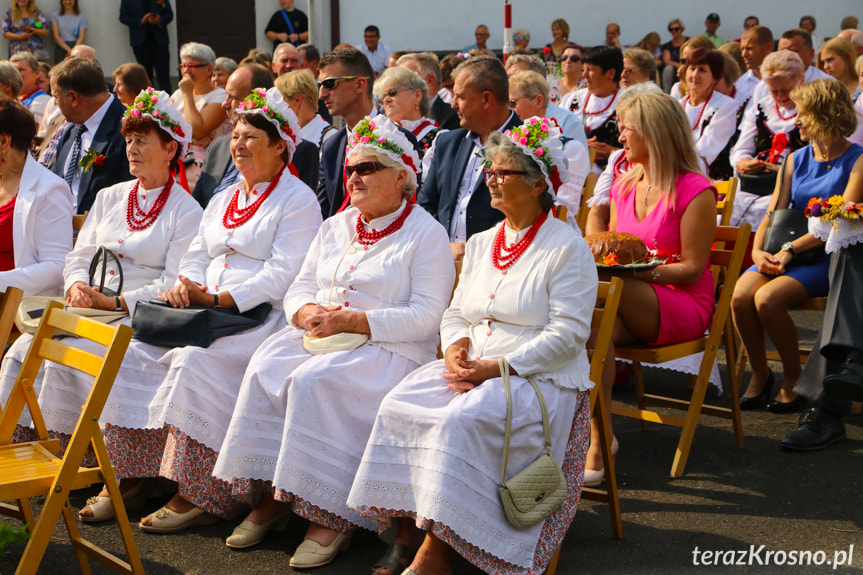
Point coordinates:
[(435, 454), (302, 420)]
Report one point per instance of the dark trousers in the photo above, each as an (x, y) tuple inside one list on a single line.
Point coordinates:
[(151, 55)]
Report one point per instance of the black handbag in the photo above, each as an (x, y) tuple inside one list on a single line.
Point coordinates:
[(159, 323), (786, 225), (101, 259), (759, 184)]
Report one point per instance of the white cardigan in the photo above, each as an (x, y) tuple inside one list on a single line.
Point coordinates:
[(41, 232)]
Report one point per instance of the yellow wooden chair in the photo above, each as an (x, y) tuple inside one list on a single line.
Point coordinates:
[(586, 194), (607, 300), (33, 469), (78, 223), (726, 258), (727, 190), (9, 302)]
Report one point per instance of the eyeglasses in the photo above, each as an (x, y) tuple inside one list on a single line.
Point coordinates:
[(363, 169), (497, 177), (182, 67), (674, 28), (393, 92), (519, 38), (629, 71), (571, 58), (332, 83)]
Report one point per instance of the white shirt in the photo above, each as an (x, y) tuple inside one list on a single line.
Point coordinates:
[(592, 120), (150, 258), (746, 84), (570, 125), (256, 261), (722, 113), (92, 125), (379, 58), (313, 130), (578, 166), (602, 189), (537, 314), (403, 282), (472, 173), (857, 136)]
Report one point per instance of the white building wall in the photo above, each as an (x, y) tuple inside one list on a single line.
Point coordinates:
[(449, 24)]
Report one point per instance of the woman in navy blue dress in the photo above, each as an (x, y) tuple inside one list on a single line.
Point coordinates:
[(830, 165)]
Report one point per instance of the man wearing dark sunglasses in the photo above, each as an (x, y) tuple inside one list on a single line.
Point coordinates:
[(345, 79), (454, 191)]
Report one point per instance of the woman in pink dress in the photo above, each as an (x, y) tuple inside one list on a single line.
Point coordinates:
[(666, 201)]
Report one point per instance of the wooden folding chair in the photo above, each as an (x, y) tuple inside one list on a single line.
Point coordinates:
[(10, 300), (560, 212), (32, 469), (607, 300), (727, 190), (78, 223), (726, 258), (586, 194)]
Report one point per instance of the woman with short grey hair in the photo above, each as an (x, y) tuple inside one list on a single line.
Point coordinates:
[(223, 68), (201, 103), (10, 80)]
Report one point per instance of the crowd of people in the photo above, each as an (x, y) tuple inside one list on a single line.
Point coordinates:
[(239, 191)]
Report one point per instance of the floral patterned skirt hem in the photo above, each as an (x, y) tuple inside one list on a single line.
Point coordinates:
[(191, 464), (26, 434), (314, 513), (553, 530), (135, 452)]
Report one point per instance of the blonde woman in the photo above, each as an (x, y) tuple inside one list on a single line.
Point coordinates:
[(671, 53), (560, 31), (666, 201), (300, 91), (837, 57)]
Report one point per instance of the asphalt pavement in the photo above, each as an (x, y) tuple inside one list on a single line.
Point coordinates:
[(804, 509)]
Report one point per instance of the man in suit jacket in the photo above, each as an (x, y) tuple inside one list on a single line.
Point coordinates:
[(218, 171), (78, 86), (427, 67), (346, 79), (454, 191), (148, 35)]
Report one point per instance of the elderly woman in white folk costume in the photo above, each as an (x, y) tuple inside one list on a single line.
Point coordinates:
[(248, 249), (148, 224), (377, 279), (526, 293)]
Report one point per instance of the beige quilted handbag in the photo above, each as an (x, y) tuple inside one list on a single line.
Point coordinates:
[(538, 490)]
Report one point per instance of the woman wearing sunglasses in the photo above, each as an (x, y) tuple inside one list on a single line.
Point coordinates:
[(405, 101), (671, 53), (363, 313), (201, 103), (526, 293), (572, 68)]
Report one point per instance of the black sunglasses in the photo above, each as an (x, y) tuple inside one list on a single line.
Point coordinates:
[(675, 29), (363, 169), (393, 92), (571, 58), (332, 83)]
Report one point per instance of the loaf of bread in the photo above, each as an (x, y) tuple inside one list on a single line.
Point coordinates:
[(627, 248)]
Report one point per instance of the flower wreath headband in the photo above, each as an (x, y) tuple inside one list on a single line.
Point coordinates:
[(158, 107), (539, 139), (383, 136), (272, 106)]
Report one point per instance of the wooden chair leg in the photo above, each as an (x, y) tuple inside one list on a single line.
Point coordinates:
[(603, 419), (40, 534), (692, 415), (638, 375), (733, 386), (78, 543), (552, 565), (110, 477)]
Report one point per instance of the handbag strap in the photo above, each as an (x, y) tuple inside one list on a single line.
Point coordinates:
[(782, 190), (504, 375), (101, 256)]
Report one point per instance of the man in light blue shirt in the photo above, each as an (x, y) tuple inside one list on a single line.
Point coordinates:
[(376, 51)]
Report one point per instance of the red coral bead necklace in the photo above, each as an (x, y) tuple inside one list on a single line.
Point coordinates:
[(503, 260), (137, 218), (370, 238), (235, 217)]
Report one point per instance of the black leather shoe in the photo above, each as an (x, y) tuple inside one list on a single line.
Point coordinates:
[(847, 383), (793, 406), (816, 430), (757, 402)]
